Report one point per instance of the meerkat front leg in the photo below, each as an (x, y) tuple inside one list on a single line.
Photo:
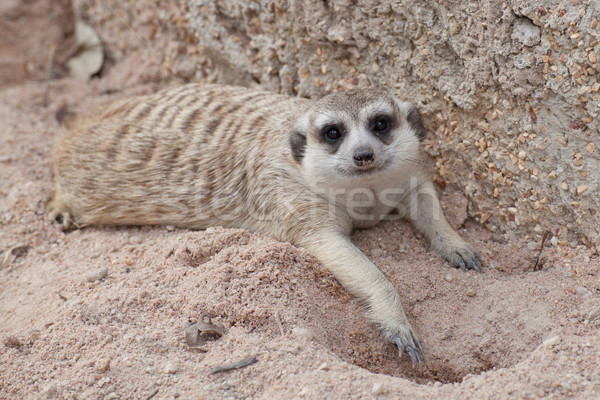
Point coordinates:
[(425, 212), (363, 279)]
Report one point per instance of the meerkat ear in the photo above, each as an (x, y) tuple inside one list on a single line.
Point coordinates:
[(298, 139), (414, 118)]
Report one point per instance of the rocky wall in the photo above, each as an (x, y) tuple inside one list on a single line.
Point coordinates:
[(509, 91)]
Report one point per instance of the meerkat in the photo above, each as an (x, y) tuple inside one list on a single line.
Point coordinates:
[(296, 170)]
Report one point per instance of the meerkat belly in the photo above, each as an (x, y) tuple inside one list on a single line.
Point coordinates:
[(370, 202), (364, 208)]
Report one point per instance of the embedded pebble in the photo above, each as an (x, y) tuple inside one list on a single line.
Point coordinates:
[(303, 333), (97, 275), (471, 292), (526, 32), (553, 341), (112, 396), (136, 240), (377, 252), (102, 365), (377, 388), (581, 291), (448, 278), (323, 367), (52, 392), (171, 368)]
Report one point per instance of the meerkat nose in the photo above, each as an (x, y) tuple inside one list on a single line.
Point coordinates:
[(364, 157)]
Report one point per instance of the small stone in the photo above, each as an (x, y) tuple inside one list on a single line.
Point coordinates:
[(303, 333), (448, 278), (553, 341), (97, 275), (171, 368), (377, 252), (471, 293), (581, 291), (323, 367), (52, 391), (532, 246), (488, 215), (526, 32), (294, 349), (102, 365), (136, 240), (112, 396), (377, 389)]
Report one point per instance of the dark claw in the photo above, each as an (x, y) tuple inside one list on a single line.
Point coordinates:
[(474, 263), (478, 261), (414, 353)]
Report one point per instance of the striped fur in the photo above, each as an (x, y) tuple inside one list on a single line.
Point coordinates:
[(199, 156)]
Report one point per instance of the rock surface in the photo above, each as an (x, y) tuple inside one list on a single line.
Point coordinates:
[(509, 90)]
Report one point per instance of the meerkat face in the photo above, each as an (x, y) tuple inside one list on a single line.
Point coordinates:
[(355, 137)]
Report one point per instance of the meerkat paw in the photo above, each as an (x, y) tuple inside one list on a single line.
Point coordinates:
[(463, 256), (414, 351), (405, 339), (59, 213)]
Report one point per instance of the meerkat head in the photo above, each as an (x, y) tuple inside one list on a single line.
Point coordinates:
[(353, 136)]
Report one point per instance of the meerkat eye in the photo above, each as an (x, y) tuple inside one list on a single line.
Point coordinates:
[(382, 125), (332, 133)]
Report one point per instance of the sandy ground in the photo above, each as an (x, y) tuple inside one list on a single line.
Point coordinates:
[(100, 313)]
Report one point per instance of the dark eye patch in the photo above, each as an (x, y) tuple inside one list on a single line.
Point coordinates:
[(381, 125), (332, 135)]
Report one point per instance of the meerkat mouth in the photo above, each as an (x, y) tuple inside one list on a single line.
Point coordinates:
[(364, 171)]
